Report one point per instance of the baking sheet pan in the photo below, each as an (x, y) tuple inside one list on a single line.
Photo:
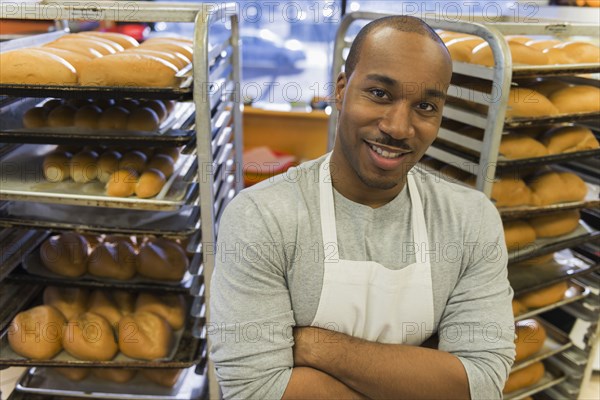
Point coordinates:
[(574, 292), (22, 179), (179, 224), (45, 381), (556, 342), (545, 245), (13, 298), (523, 122), (552, 377), (15, 244)]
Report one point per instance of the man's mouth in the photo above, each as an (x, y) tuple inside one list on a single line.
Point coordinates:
[(385, 151)]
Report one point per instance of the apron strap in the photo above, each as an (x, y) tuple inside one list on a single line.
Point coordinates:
[(330, 243), (420, 237)]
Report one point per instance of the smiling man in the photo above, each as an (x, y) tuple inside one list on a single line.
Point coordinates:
[(329, 279)]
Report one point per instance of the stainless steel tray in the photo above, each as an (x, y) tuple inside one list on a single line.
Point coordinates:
[(574, 293), (525, 71), (175, 130), (15, 244), (551, 120), (13, 298), (179, 224), (552, 377), (556, 342), (23, 180), (45, 381)]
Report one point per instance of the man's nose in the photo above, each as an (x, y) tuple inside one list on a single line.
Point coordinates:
[(397, 121)]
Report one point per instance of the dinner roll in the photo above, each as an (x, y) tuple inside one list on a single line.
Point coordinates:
[(143, 119), (102, 304), (122, 183), (65, 254), (57, 166), (134, 159), (523, 102), (108, 163), (555, 224), (558, 187), (518, 308), (167, 377), (163, 260), (515, 146), (37, 333), (150, 183), (63, 115), (73, 374), (114, 118), (566, 139), (163, 163), (88, 116), (113, 261), (545, 296), (530, 338), (581, 52), (70, 301), (23, 67), (90, 337), (518, 234), (34, 118), (169, 306), (145, 336), (118, 375), (158, 107), (576, 99), (525, 377), (124, 300), (84, 166), (172, 152)]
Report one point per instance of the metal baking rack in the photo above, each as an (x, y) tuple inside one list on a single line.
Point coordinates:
[(217, 137), (15, 244)]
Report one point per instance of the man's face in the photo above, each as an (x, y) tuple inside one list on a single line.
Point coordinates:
[(390, 107)]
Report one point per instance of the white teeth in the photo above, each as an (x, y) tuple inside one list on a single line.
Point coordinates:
[(384, 153)]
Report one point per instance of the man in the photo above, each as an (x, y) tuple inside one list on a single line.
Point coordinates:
[(361, 260)]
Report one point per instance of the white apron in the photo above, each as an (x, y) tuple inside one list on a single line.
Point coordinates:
[(364, 299)]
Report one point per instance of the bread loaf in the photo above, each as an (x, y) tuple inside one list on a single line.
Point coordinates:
[(169, 306), (461, 48), (162, 260), (163, 163), (63, 115), (118, 375), (113, 261), (177, 59), (172, 152), (73, 374), (90, 337), (114, 118), (134, 160), (102, 304), (129, 69), (581, 52), (23, 67), (576, 99), (158, 107), (65, 254), (557, 56), (34, 118), (56, 166), (124, 300), (558, 187), (525, 377), (545, 296), (143, 119), (518, 234), (150, 183), (549, 86), (555, 224), (162, 376), (524, 102), (512, 192), (125, 41), (530, 338), (114, 46), (145, 335), (122, 183), (514, 146), (566, 139), (77, 60), (84, 166), (542, 44), (83, 45), (37, 333), (521, 55), (70, 301), (107, 164), (168, 45)]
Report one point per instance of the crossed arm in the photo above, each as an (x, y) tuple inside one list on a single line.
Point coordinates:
[(330, 364)]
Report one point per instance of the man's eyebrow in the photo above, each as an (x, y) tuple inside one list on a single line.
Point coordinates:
[(383, 79), (435, 93)]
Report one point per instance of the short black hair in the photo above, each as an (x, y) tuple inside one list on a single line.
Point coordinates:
[(404, 23)]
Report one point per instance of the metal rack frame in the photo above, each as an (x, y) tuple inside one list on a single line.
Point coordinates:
[(211, 87)]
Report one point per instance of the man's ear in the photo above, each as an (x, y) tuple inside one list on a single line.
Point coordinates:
[(340, 89)]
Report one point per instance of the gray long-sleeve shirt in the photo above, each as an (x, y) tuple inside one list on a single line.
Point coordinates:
[(269, 274)]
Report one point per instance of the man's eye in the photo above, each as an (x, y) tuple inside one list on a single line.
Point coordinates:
[(378, 93), (426, 107)]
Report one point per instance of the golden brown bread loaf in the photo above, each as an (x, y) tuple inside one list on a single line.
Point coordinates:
[(83, 45), (169, 45), (70, 301), (37, 333), (177, 59), (134, 159), (581, 52), (57, 166), (555, 224), (125, 41), (517, 39), (514, 146), (557, 56), (122, 183), (558, 187), (77, 60), (84, 166), (512, 192), (107, 164), (124, 300), (90, 337), (158, 107), (169, 306), (530, 338), (23, 67), (566, 139), (65, 254), (163, 163), (545, 296), (521, 55), (461, 48), (523, 102), (576, 99), (518, 308), (129, 69), (525, 377), (145, 335), (150, 183), (518, 234), (114, 47), (162, 376), (101, 303), (542, 44), (162, 259), (118, 375), (549, 86), (172, 152), (73, 374), (113, 261)]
